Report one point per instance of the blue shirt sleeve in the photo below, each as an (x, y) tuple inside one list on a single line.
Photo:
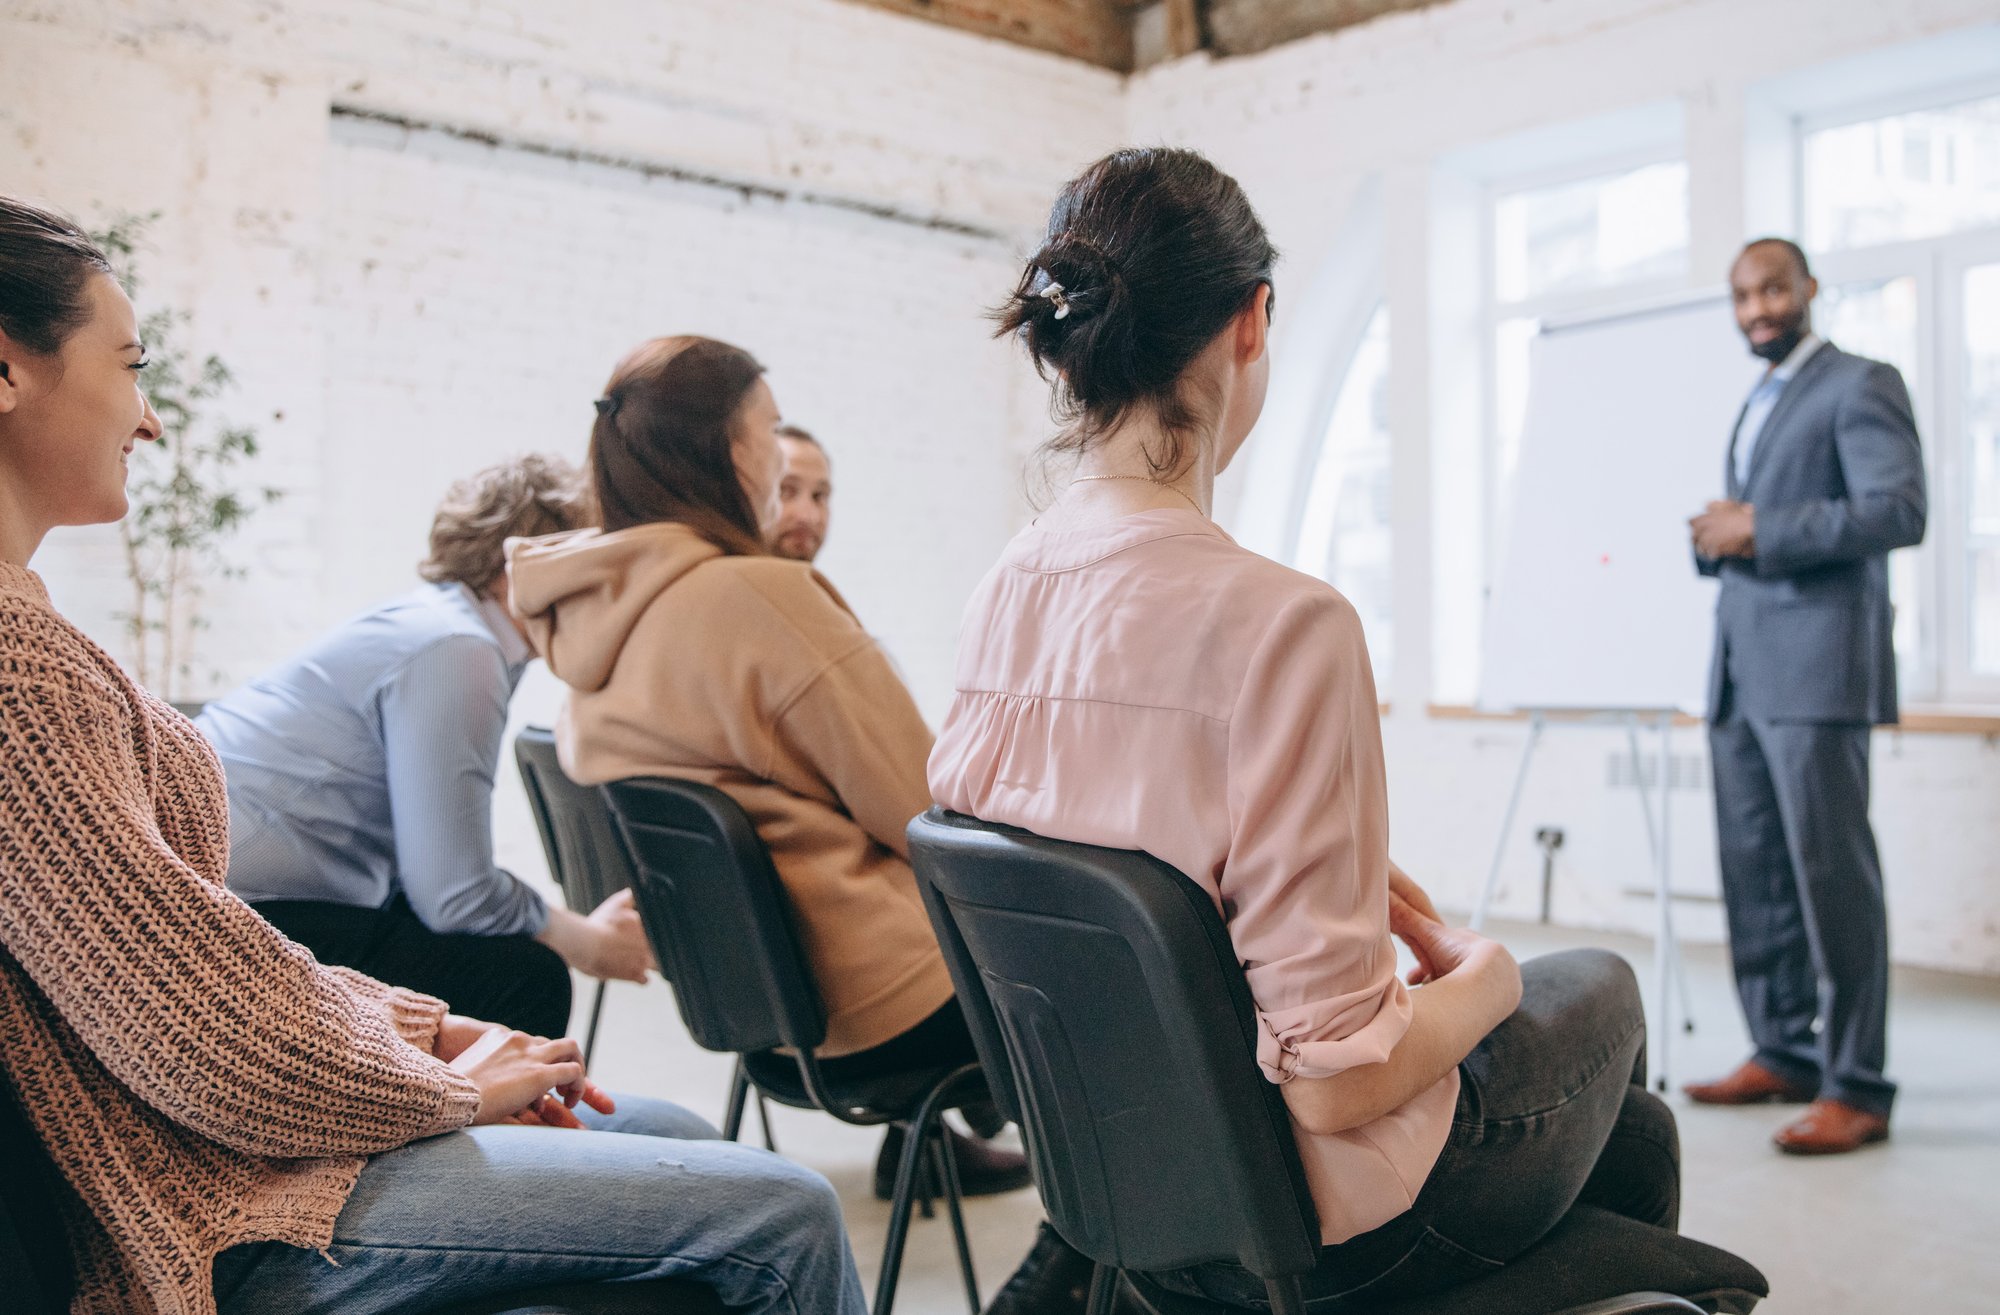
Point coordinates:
[(443, 715)]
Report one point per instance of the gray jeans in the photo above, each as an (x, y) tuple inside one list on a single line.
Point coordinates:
[(1552, 1111)]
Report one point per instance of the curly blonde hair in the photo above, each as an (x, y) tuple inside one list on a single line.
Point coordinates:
[(521, 498)]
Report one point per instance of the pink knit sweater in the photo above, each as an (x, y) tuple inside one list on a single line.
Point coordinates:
[(199, 1080)]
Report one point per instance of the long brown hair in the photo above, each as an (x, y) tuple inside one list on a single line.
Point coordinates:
[(662, 448)]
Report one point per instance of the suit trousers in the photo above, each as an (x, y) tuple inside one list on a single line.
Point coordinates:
[(1802, 887)]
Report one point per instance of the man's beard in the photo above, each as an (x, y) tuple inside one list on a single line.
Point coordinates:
[(800, 547), (1775, 350)]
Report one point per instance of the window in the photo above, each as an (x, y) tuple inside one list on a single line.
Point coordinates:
[(1589, 242), (1903, 177), (1595, 233), (1902, 213), (1345, 530), (1981, 452), (1878, 317)]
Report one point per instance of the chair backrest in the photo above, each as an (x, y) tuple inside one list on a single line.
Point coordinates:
[(1111, 1014), (717, 916), (584, 853)]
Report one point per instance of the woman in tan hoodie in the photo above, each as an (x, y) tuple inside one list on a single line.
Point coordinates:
[(692, 652)]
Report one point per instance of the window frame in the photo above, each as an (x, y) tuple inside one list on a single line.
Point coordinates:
[(1938, 266), (1380, 654)]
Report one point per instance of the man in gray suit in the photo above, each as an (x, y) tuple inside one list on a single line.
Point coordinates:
[(1825, 477)]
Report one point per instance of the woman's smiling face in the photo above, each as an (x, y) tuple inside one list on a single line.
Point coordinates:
[(69, 419)]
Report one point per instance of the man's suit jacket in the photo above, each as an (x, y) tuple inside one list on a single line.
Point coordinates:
[(1803, 629)]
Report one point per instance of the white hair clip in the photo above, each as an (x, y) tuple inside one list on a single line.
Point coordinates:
[(1054, 292)]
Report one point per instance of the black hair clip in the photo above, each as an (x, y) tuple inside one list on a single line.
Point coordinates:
[(607, 406)]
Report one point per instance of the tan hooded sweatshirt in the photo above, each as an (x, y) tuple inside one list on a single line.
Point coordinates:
[(750, 674)]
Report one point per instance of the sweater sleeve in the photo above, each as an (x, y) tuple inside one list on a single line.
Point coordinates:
[(415, 1016), (184, 994)]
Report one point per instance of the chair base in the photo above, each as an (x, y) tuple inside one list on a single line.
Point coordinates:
[(924, 1132), (926, 1095), (1593, 1263), (740, 1089), (1144, 1297)]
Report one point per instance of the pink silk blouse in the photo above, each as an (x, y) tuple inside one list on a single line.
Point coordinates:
[(1146, 683)]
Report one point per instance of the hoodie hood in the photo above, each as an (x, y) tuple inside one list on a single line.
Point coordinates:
[(580, 594)]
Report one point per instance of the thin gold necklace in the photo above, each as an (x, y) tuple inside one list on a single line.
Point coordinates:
[(1079, 479)]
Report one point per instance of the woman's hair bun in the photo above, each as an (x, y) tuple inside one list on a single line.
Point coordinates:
[(1069, 291), (1150, 252)]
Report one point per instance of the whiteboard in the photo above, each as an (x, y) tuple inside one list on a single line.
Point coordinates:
[(1596, 604)]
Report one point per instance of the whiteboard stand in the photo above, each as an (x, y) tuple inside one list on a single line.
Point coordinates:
[(1671, 973)]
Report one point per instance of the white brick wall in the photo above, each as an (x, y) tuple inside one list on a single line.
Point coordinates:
[(403, 307), (475, 300)]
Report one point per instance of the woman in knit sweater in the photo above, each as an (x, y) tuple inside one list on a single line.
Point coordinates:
[(238, 1127)]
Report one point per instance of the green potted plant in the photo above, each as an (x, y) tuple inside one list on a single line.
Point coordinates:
[(186, 503)]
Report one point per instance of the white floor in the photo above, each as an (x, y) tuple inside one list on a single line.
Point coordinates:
[(1913, 1225)]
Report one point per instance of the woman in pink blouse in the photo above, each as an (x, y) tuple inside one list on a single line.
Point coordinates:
[(1130, 677)]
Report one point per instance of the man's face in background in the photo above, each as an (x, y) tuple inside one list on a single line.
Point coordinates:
[(805, 498), (1773, 295)]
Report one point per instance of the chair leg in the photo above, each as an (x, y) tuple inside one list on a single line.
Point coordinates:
[(944, 1161), (900, 1206), (916, 1134), (764, 1117), (1103, 1287), (739, 1092), (596, 1013), (1285, 1296)]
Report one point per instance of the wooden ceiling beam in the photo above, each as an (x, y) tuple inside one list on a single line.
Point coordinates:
[(1123, 34), (1095, 31), (1243, 27)]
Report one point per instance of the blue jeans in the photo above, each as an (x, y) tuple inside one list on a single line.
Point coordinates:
[(1552, 1111), (649, 1192)]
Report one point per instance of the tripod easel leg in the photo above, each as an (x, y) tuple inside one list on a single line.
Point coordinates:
[(1535, 723), (1666, 949)]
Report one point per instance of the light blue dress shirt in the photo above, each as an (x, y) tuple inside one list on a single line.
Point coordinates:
[(1764, 399), (363, 768)]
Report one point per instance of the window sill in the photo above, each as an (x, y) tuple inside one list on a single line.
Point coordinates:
[(1916, 721)]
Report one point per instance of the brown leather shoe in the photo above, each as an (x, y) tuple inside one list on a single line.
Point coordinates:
[(1750, 1084), (1831, 1127)]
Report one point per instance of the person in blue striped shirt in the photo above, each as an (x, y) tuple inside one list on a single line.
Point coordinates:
[(361, 771)]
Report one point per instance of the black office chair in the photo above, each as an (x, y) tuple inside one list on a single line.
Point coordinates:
[(585, 858), (721, 927), (588, 862), (37, 1277), (1115, 1026)]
